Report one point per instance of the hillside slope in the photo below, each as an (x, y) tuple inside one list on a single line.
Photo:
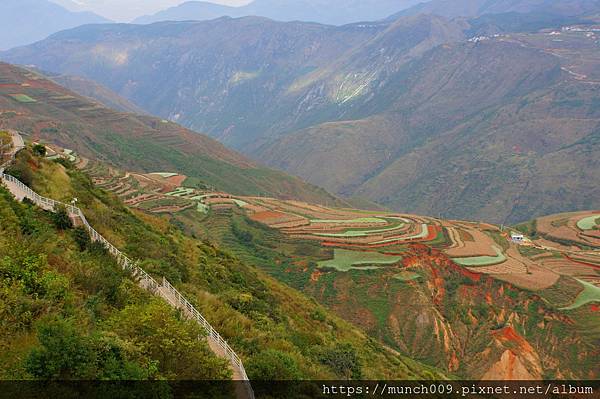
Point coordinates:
[(88, 88), (217, 76), (267, 323), (497, 308), (33, 104), (521, 140)]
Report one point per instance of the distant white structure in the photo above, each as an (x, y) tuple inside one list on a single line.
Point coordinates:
[(517, 238)]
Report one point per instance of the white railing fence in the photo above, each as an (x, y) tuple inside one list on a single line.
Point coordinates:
[(165, 291), (183, 303)]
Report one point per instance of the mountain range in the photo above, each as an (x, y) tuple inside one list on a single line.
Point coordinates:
[(27, 21), (469, 118), (335, 12), (474, 8)]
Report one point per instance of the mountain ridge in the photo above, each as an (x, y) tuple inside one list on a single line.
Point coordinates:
[(332, 12), (20, 21)]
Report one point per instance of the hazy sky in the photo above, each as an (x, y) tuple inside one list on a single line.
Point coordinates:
[(126, 10)]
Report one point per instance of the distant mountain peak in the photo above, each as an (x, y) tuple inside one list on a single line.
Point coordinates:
[(20, 21), (332, 12)]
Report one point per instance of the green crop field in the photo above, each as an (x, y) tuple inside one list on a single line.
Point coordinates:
[(482, 260), (588, 223), (181, 191), (424, 233), (240, 203), (590, 294), (23, 98), (166, 175), (407, 276), (360, 232), (345, 260), (359, 220)]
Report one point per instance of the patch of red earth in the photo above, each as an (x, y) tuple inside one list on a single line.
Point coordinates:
[(177, 181), (582, 262), (488, 298), (508, 334), (315, 276), (269, 216), (433, 233), (595, 308)]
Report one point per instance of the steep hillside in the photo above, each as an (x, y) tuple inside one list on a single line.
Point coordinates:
[(88, 88), (335, 12), (217, 76), (497, 308), (461, 296), (56, 281), (46, 111), (504, 150), (20, 21)]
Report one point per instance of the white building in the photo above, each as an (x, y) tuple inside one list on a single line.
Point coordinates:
[(517, 238)]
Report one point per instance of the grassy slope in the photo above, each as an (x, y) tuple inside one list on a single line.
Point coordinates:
[(135, 142), (251, 310)]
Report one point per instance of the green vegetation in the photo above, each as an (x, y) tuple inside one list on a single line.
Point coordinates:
[(588, 223), (359, 220), (407, 276), (361, 233), (23, 98), (590, 294), (69, 312), (482, 260), (345, 260), (58, 282), (39, 150)]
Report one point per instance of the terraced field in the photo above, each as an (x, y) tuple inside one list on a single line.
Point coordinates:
[(590, 293), (344, 260), (579, 229), (392, 274), (369, 241)]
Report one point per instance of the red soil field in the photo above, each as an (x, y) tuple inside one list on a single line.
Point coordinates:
[(177, 181)]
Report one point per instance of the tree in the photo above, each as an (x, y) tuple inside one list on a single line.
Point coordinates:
[(82, 238), (177, 345), (273, 365), (343, 360), (39, 150), (65, 353), (61, 218)]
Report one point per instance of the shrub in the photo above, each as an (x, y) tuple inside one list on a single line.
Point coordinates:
[(173, 342), (62, 353), (55, 286), (65, 353), (39, 150), (273, 365), (343, 360), (82, 238), (61, 218)]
